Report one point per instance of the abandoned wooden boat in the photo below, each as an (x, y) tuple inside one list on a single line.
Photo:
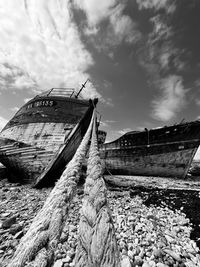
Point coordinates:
[(38, 142), (165, 152)]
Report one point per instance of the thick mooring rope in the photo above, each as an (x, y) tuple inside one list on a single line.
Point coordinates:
[(37, 247), (97, 246)]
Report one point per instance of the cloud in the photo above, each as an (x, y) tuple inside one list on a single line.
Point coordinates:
[(5, 71), (158, 53), (161, 52), (23, 81), (95, 13), (159, 46), (40, 39), (167, 5), (161, 59), (172, 98), (124, 28), (3, 122), (117, 27)]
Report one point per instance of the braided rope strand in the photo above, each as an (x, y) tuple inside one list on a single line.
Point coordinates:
[(97, 245), (44, 233)]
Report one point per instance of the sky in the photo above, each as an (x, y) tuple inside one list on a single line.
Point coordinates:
[(142, 57)]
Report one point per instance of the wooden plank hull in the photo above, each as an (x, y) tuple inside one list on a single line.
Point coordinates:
[(170, 164), (24, 162), (39, 131), (167, 157), (57, 165)]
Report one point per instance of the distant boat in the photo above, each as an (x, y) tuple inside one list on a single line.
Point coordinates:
[(165, 152), (38, 142)]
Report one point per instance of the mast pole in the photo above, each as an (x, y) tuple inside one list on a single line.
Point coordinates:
[(83, 86)]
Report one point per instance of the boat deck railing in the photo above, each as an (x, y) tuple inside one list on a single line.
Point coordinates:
[(67, 92)]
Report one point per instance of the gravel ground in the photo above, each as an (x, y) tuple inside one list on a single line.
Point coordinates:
[(148, 235)]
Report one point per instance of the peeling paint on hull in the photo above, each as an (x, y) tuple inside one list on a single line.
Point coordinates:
[(35, 135), (165, 152)]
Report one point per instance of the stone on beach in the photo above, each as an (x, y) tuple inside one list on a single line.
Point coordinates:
[(146, 236), (7, 223)]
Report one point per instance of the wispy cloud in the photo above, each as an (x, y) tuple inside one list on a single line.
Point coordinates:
[(96, 13), (171, 100), (124, 28), (41, 39), (168, 5), (117, 28), (5, 71), (159, 51), (161, 59)]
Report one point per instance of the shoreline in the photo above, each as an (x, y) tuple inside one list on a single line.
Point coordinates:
[(124, 181)]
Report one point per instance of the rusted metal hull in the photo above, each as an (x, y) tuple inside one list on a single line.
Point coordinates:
[(39, 131), (168, 151)]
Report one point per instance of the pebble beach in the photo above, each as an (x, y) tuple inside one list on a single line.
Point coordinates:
[(148, 234)]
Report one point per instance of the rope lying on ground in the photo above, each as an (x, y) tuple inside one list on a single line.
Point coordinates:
[(97, 246), (40, 242)]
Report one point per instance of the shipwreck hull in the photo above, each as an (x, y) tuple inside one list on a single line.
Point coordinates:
[(165, 152), (58, 163), (40, 130), (45, 121), (23, 162), (170, 164)]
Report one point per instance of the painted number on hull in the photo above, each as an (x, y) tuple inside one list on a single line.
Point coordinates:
[(43, 103)]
